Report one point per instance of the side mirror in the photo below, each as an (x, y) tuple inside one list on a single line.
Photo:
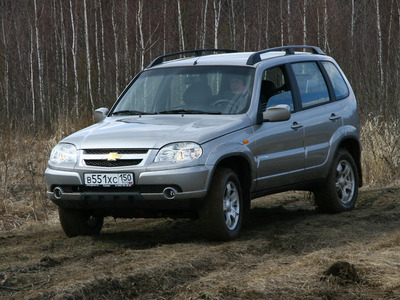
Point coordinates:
[(277, 113), (100, 114)]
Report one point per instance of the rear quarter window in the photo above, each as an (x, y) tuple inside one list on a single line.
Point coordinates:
[(339, 85)]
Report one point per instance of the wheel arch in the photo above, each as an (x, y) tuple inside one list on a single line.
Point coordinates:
[(242, 167), (354, 148)]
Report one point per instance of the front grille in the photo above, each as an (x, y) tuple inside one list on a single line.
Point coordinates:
[(119, 151), (111, 164), (112, 158)]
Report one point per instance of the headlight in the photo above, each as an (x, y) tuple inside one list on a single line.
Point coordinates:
[(179, 152), (63, 154)]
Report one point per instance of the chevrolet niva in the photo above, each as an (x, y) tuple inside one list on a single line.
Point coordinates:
[(200, 136)]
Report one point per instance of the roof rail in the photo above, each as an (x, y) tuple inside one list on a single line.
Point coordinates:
[(255, 57), (198, 52)]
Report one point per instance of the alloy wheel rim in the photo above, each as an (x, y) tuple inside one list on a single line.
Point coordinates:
[(345, 182), (231, 205)]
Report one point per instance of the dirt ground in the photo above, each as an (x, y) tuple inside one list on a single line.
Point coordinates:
[(287, 250)]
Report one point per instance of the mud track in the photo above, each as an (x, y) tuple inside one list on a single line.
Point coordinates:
[(287, 250)]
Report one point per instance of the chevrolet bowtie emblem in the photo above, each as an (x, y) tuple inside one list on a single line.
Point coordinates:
[(112, 156)]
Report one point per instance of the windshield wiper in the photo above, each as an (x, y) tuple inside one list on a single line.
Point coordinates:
[(188, 111), (131, 112)]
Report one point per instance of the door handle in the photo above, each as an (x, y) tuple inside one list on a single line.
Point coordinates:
[(296, 126), (334, 117)]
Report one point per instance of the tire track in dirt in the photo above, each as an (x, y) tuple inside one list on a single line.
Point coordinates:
[(285, 251)]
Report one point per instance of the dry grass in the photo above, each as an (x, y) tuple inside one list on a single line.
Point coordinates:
[(381, 150), (23, 160)]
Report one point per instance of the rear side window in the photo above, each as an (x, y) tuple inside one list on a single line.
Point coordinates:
[(312, 86), (339, 85)]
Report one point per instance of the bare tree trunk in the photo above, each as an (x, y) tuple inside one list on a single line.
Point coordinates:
[(180, 27), (304, 22), (281, 9), (244, 27), (88, 63), (164, 28), (267, 25), (326, 45), (103, 52), (204, 25), (352, 27), (96, 34), (74, 59), (380, 52), (64, 64), (32, 81), (141, 38), (217, 15), (6, 78), (233, 23), (126, 54), (114, 25), (290, 37), (40, 65)]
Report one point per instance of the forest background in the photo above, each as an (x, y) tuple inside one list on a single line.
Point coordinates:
[(61, 59)]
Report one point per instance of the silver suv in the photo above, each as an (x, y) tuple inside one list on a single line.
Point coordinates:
[(201, 136)]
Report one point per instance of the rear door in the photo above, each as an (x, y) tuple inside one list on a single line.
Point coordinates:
[(320, 114)]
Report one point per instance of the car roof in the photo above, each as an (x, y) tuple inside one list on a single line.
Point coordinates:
[(232, 58)]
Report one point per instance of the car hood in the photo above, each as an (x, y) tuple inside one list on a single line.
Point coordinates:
[(155, 131)]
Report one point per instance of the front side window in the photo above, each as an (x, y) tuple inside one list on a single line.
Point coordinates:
[(275, 88), (339, 85), (312, 86), (214, 90)]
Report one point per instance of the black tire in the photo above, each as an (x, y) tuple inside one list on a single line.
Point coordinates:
[(221, 215), (340, 191), (79, 222)]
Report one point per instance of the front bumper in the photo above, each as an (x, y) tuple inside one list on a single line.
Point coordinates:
[(189, 183)]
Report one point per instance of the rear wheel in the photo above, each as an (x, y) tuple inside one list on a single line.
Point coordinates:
[(340, 191), (79, 222), (222, 213)]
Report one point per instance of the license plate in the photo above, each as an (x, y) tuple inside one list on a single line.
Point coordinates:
[(109, 179)]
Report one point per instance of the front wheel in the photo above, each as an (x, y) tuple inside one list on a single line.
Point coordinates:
[(79, 222), (222, 213), (340, 190)]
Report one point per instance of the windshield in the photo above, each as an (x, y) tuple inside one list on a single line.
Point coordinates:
[(188, 90)]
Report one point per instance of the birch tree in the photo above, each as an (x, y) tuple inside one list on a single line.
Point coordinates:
[(326, 25), (204, 25), (96, 41), (115, 32), (217, 4), (126, 54), (88, 63), (32, 81), (39, 62), (6, 78), (64, 64), (140, 28), (74, 50), (232, 15), (305, 22), (379, 31), (267, 25), (290, 37), (180, 27), (103, 52)]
